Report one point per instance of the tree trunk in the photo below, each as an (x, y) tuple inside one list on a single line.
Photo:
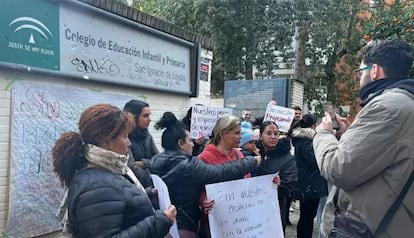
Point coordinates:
[(249, 70), (300, 67)]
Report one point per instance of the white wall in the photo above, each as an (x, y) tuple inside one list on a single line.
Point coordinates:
[(159, 103)]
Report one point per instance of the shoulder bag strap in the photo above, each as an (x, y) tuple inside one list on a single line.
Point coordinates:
[(335, 201), (393, 209)]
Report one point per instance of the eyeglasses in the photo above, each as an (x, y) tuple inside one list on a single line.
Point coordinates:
[(358, 72)]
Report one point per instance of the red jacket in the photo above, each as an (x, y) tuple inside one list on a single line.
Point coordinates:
[(212, 155)]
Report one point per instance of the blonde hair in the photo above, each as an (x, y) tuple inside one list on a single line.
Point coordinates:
[(223, 124)]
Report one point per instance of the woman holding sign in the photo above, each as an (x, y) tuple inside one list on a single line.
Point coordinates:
[(276, 158), (105, 199), (223, 147), (184, 174)]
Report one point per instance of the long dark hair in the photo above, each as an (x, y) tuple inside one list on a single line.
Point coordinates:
[(174, 132), (135, 107), (96, 124), (187, 119), (265, 124)]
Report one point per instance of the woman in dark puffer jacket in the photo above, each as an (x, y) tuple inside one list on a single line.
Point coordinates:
[(105, 199), (276, 157), (311, 186), (185, 174), (143, 146)]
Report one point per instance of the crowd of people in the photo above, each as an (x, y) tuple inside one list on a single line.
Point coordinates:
[(106, 165)]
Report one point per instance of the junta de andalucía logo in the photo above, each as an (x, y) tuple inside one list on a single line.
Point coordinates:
[(31, 24)]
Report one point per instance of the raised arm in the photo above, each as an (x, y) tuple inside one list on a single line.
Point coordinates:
[(208, 173)]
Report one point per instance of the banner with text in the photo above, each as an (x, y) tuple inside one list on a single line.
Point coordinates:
[(245, 208), (40, 114), (204, 118), (282, 116), (84, 43)]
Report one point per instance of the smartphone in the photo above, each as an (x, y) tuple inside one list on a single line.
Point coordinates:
[(330, 108)]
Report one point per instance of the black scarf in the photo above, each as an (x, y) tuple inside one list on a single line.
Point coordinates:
[(138, 134), (375, 88)]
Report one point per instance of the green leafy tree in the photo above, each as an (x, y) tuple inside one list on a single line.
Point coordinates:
[(332, 42), (356, 25), (245, 33), (147, 6), (249, 33), (189, 14)]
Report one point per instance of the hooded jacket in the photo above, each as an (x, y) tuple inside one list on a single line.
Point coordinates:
[(186, 175), (372, 161), (310, 183)]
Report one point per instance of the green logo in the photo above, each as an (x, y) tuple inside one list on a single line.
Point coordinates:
[(29, 32)]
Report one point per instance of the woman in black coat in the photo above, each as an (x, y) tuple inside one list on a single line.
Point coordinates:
[(143, 146), (105, 199), (185, 174), (310, 186), (276, 158)]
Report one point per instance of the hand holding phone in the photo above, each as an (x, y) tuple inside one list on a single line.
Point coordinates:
[(326, 123), (329, 108)]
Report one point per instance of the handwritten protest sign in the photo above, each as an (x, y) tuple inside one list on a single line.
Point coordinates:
[(204, 118), (164, 201), (282, 116), (245, 208)]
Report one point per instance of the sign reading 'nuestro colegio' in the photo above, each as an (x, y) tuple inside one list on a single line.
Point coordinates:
[(79, 42)]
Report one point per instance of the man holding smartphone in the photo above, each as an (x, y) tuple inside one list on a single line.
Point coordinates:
[(374, 158), (336, 120)]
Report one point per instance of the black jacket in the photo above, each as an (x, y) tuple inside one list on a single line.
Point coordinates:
[(186, 175), (310, 183), (104, 204), (143, 175), (279, 160), (142, 148)]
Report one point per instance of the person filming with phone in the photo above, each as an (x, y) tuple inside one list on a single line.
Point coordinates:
[(339, 124), (371, 165)]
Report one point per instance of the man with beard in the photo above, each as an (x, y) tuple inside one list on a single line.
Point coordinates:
[(372, 163)]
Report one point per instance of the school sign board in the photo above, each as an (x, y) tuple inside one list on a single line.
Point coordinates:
[(74, 39)]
